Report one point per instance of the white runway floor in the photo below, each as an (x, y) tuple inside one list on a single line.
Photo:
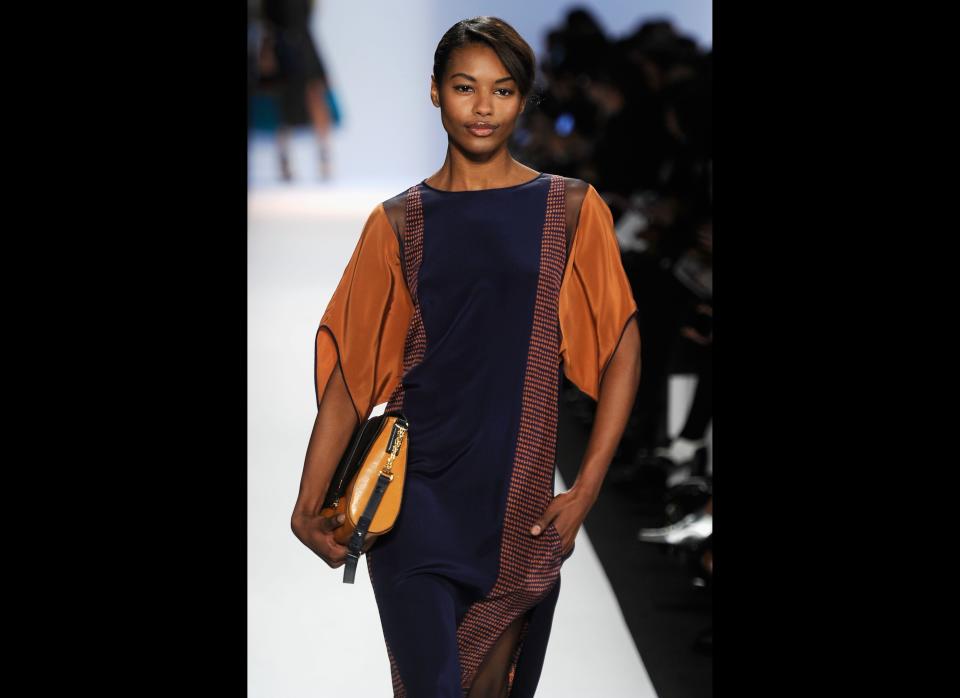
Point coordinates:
[(308, 633)]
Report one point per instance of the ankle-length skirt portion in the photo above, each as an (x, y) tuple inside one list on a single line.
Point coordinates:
[(462, 310)]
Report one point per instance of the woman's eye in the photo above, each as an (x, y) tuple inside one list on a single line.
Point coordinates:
[(505, 90)]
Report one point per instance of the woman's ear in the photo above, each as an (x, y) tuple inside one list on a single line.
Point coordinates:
[(434, 92)]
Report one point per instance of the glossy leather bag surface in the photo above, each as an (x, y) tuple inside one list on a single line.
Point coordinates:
[(367, 485)]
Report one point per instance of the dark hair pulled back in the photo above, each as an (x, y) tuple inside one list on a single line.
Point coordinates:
[(515, 53)]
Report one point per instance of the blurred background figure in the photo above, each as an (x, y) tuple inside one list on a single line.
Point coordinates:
[(289, 83), (632, 115)]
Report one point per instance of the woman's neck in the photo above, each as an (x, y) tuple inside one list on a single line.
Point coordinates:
[(459, 173)]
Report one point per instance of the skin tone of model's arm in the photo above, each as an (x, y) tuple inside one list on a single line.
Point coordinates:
[(618, 391), (335, 423)]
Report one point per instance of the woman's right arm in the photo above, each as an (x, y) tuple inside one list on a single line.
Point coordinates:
[(365, 323), (335, 423)]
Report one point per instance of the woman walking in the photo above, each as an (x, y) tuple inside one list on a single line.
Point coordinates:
[(466, 299), (300, 79)]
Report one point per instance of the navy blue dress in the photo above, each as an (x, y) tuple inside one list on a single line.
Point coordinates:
[(476, 294), (481, 397)]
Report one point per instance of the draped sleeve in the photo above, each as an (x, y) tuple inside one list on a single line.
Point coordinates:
[(596, 301), (366, 320)]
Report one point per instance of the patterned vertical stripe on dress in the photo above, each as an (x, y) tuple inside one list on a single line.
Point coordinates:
[(414, 347), (529, 565), (416, 341)]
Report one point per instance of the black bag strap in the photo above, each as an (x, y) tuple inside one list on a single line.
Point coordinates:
[(357, 538), (355, 544)]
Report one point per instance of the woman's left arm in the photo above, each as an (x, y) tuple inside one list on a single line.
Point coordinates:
[(618, 390), (600, 349)]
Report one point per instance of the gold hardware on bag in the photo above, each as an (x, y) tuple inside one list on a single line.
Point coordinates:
[(367, 461), (388, 467)]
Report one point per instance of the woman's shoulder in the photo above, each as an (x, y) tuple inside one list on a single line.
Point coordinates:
[(573, 185), (394, 210), (575, 193), (575, 190)]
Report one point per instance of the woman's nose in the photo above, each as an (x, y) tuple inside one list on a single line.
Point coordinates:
[(483, 105)]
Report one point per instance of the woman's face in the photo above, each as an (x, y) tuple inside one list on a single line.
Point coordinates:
[(479, 101)]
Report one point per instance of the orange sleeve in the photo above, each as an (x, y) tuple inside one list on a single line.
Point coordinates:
[(596, 301), (365, 323)]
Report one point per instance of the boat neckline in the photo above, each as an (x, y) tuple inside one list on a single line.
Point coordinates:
[(477, 191)]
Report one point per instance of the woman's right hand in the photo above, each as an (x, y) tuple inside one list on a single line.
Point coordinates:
[(316, 532), (311, 522)]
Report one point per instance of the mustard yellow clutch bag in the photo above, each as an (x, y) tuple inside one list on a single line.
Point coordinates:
[(368, 486)]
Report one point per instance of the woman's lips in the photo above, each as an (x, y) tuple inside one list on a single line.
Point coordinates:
[(481, 131)]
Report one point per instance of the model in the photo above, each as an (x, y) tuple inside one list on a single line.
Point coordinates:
[(467, 298)]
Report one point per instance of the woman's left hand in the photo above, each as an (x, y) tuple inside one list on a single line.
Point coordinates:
[(566, 512)]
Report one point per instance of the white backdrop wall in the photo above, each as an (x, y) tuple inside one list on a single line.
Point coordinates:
[(379, 54)]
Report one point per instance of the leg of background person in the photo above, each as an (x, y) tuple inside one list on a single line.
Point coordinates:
[(673, 300), (697, 410), (321, 120), (657, 331), (651, 395), (283, 151), (701, 410)]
